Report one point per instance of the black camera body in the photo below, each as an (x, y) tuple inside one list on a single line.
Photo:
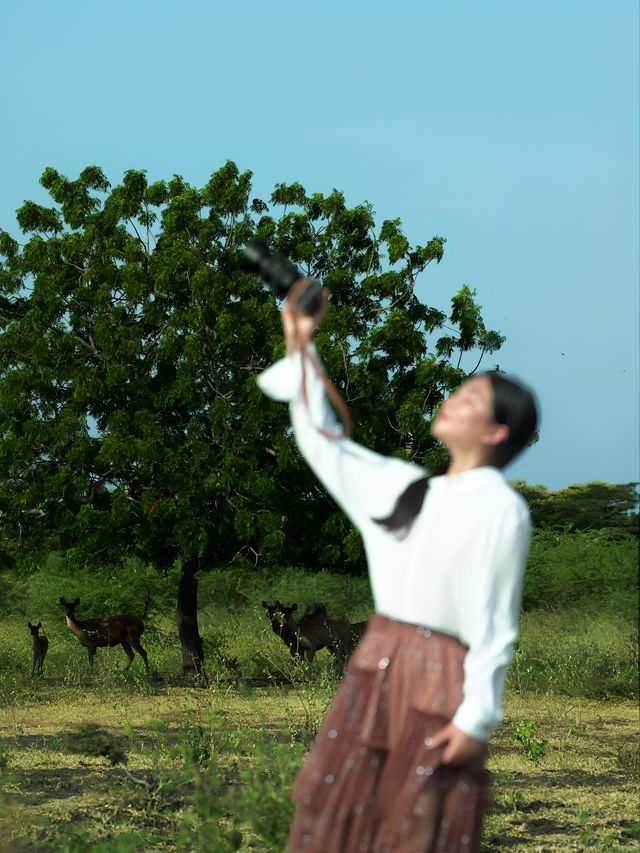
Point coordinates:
[(280, 274)]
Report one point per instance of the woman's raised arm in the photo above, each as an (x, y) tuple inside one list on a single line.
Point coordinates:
[(365, 484)]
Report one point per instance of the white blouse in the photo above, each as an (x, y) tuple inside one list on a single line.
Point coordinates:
[(460, 568)]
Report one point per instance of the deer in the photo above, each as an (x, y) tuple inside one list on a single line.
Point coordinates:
[(40, 646), (315, 630), (108, 631), (356, 631), (348, 639)]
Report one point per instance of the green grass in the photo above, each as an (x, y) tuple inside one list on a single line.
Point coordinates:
[(572, 653), (209, 769), (205, 767), (576, 653)]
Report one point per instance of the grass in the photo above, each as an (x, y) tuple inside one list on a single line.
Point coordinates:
[(119, 761), (580, 794), (180, 742)]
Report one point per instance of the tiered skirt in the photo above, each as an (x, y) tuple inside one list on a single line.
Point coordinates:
[(372, 783)]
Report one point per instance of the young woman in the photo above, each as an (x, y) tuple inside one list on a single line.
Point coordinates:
[(398, 765)]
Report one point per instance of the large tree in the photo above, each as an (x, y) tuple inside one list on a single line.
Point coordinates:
[(130, 419)]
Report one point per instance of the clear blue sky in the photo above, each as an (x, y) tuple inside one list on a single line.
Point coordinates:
[(510, 128)]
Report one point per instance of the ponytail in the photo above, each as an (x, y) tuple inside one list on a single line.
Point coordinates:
[(408, 505)]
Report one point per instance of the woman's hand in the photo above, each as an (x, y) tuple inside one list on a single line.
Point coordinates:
[(459, 748), (299, 327)]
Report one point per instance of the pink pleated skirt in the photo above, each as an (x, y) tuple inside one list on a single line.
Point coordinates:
[(371, 783)]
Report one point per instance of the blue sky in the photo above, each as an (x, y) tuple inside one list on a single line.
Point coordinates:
[(510, 128)]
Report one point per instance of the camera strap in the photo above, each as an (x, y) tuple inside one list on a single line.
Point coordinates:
[(334, 397)]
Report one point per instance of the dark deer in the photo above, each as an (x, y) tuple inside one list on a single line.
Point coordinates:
[(314, 631), (357, 629), (109, 631), (40, 646), (348, 634)]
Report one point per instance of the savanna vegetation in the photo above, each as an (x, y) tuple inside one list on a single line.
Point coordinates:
[(124, 761), (142, 472)]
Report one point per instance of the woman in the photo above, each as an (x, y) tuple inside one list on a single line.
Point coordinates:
[(398, 765)]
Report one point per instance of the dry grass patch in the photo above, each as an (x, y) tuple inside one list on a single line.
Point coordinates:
[(564, 775)]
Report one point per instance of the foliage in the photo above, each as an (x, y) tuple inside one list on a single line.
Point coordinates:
[(589, 653), (266, 796), (95, 740), (5, 757), (192, 772), (586, 648), (585, 506), (130, 420), (595, 569), (526, 735), (202, 777), (107, 590)]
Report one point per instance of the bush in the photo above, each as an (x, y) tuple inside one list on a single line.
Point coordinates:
[(576, 653), (108, 589), (344, 595), (596, 569)]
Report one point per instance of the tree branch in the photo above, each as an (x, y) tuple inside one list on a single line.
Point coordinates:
[(478, 364), (142, 243), (91, 346)]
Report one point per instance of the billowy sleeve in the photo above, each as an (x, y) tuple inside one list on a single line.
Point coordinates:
[(364, 484), (497, 588)]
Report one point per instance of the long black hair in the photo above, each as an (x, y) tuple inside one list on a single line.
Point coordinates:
[(513, 405)]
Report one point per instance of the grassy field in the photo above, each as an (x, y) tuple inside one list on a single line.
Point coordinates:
[(208, 769), (171, 767)]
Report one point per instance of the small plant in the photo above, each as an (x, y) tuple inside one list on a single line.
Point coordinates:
[(266, 790), (196, 742), (513, 802), (522, 671), (5, 756), (74, 840), (588, 835), (94, 740), (224, 667), (504, 777), (209, 823), (315, 693), (526, 735), (629, 760), (569, 726)]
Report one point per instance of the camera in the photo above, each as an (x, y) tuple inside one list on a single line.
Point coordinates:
[(280, 274)]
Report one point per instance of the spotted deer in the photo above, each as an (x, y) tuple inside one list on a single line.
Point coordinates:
[(108, 631)]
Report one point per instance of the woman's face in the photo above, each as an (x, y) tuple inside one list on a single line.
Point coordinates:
[(465, 421)]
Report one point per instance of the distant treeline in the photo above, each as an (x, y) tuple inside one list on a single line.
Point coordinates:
[(586, 506)]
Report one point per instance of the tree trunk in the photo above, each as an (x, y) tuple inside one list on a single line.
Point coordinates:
[(187, 620)]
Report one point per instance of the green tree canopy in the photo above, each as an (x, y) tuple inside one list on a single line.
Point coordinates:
[(130, 419), (585, 506)]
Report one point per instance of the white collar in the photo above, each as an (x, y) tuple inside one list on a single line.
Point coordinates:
[(471, 477)]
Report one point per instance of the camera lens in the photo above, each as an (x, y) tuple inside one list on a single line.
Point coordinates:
[(253, 254), (275, 270), (280, 274)]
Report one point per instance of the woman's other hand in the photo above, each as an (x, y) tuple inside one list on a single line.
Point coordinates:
[(299, 327), (459, 748)]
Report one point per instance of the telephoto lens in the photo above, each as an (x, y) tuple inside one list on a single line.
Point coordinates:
[(280, 274)]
